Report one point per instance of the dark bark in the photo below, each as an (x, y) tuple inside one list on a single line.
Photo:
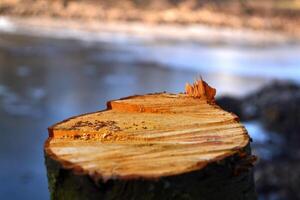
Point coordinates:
[(229, 179)]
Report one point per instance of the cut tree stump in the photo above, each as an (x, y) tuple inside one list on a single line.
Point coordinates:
[(154, 146)]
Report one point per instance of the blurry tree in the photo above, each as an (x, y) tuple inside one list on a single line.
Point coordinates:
[(141, 3)]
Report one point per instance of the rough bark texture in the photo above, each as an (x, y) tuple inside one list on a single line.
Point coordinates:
[(156, 146), (221, 180)]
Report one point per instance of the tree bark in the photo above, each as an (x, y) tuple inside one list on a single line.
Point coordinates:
[(216, 181)]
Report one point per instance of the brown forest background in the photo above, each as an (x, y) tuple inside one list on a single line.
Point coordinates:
[(282, 15)]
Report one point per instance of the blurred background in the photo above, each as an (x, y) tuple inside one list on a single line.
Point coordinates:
[(60, 58)]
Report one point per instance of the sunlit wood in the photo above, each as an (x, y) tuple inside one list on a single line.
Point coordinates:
[(149, 137)]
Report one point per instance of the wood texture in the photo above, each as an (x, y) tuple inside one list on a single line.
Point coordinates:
[(150, 137)]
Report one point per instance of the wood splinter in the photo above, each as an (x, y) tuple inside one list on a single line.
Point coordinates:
[(154, 146), (200, 89)]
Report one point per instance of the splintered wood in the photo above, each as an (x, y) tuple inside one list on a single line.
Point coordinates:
[(200, 89), (148, 136)]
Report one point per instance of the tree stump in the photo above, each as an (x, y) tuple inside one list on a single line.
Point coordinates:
[(154, 146)]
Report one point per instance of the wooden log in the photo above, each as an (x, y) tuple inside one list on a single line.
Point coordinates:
[(155, 146)]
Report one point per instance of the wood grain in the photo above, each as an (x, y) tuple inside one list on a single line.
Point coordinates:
[(148, 136)]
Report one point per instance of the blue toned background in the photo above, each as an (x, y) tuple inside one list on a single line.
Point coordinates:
[(47, 77)]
